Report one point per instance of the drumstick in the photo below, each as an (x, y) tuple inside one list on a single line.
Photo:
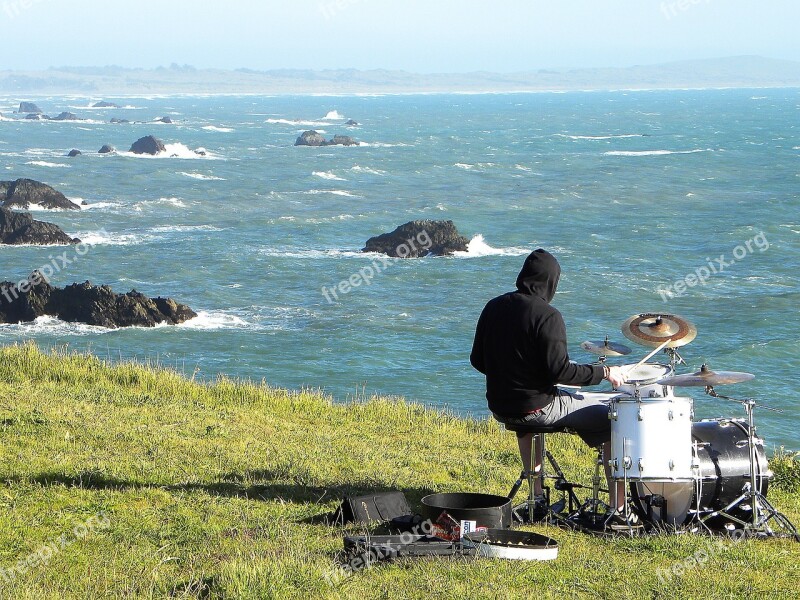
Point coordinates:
[(646, 358)]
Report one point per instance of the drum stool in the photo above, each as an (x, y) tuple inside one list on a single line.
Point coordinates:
[(561, 484)]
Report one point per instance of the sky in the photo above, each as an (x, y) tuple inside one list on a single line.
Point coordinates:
[(423, 36)]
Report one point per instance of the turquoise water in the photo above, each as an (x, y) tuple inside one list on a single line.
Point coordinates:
[(632, 191)]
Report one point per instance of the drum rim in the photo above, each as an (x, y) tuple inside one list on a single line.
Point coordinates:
[(668, 369)]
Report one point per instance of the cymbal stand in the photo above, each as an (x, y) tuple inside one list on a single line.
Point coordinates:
[(761, 510), (675, 359)]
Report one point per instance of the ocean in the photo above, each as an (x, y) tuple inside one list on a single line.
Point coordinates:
[(638, 194)]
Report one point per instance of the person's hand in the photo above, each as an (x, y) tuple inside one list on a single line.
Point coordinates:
[(617, 376)]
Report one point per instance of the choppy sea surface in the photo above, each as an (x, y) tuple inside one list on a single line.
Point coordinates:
[(632, 191)]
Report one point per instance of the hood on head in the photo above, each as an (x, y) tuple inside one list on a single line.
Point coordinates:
[(539, 275)]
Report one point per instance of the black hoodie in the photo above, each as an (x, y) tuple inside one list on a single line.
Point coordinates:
[(521, 343)]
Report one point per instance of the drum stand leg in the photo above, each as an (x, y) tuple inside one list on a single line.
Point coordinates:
[(593, 510), (752, 499)]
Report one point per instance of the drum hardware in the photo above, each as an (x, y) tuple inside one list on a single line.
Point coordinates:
[(752, 500), (652, 329)]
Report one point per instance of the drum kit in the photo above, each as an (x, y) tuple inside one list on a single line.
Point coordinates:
[(708, 475)]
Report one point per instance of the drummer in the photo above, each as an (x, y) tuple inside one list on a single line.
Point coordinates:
[(521, 346)]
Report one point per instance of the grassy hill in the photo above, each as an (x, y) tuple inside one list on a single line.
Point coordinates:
[(133, 482)]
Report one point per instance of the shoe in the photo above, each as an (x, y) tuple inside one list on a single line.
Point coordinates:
[(619, 520)]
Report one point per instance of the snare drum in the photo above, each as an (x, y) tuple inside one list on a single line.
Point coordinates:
[(651, 438), (641, 380)]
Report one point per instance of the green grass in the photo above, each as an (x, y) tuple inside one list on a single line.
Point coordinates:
[(208, 491)]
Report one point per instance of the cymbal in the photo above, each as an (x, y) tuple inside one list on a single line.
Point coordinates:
[(705, 377), (606, 348), (653, 329)]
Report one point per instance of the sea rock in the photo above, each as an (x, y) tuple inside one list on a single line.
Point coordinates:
[(116, 121), (21, 228), (66, 116), (419, 238), (166, 120), (104, 104), (73, 153), (24, 192), (106, 149), (37, 117), (311, 138), (86, 303), (148, 145), (314, 138), (351, 123), (342, 140), (28, 107)]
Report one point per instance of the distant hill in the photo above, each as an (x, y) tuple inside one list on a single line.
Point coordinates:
[(740, 71)]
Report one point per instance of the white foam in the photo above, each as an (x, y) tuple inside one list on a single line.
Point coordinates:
[(96, 205), (176, 150), (43, 163), (599, 137), (329, 175), (312, 254), (334, 192), (48, 325), (478, 247), (296, 122), (382, 145), (465, 166), (104, 238), (523, 168), (184, 228), (218, 129), (333, 116), (176, 202), (209, 320), (653, 152), (202, 177), (368, 170)]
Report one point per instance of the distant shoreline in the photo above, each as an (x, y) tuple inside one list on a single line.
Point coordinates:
[(744, 72)]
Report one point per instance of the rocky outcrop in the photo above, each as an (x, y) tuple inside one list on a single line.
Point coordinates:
[(148, 145), (117, 121), (66, 116), (28, 108), (314, 138), (104, 104), (37, 117), (24, 192), (73, 153), (166, 120), (86, 303), (351, 123), (419, 238), (106, 149), (20, 228)]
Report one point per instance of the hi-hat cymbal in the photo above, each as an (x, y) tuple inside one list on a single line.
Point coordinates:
[(606, 348), (705, 377), (653, 329)]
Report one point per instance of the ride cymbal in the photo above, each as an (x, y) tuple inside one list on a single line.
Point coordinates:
[(705, 377), (653, 329), (606, 348)]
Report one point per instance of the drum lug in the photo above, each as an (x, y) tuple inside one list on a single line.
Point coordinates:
[(639, 414), (671, 465), (671, 416), (641, 466)]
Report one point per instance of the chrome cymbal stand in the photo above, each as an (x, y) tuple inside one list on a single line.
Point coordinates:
[(752, 500)]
